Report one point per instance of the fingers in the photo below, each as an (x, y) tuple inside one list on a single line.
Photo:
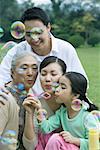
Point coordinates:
[(4, 95), (1, 103), (32, 103), (67, 136), (3, 89), (64, 133)]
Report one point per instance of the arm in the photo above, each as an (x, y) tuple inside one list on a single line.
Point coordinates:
[(49, 125), (30, 136), (3, 114), (5, 67)]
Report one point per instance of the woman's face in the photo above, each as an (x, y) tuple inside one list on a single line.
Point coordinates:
[(25, 72), (50, 74)]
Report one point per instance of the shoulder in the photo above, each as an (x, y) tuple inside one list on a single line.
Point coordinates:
[(19, 47), (62, 43), (61, 110), (7, 101)]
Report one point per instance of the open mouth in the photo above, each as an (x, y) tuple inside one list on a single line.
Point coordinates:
[(30, 81), (48, 87)]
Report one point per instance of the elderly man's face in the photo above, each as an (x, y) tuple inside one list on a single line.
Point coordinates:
[(26, 71)]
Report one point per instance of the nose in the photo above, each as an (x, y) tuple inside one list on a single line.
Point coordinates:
[(48, 78), (30, 71), (57, 91)]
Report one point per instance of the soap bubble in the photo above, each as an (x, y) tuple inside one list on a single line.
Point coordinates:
[(5, 48), (10, 134), (1, 32), (20, 86), (8, 138), (18, 30), (76, 105), (35, 33), (8, 45), (20, 70), (96, 114), (55, 85)]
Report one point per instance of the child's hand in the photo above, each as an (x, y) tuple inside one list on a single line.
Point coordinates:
[(69, 138), (30, 104)]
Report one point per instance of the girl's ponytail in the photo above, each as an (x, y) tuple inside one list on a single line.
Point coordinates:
[(91, 105)]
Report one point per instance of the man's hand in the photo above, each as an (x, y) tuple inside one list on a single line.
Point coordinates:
[(3, 95)]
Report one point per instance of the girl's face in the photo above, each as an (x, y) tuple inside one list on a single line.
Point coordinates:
[(50, 74), (25, 72), (64, 91)]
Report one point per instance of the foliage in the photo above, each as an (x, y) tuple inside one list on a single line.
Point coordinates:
[(94, 39), (76, 40), (9, 12)]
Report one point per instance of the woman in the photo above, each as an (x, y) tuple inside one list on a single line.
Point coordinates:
[(51, 69), (23, 72)]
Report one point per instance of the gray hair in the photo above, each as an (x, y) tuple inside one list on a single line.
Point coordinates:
[(18, 56)]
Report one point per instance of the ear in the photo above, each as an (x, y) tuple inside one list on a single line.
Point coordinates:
[(49, 27)]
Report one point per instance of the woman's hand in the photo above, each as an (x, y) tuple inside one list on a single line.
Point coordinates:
[(69, 138), (30, 104)]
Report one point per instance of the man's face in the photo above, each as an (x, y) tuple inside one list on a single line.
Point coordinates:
[(25, 72), (37, 35)]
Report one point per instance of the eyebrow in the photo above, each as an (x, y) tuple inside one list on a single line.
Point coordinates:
[(63, 84), (28, 65)]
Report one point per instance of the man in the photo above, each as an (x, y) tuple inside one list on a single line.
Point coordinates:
[(42, 44)]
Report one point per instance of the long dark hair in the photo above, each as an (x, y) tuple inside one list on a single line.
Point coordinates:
[(52, 59), (79, 86)]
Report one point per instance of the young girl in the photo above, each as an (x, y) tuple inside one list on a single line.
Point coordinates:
[(74, 115)]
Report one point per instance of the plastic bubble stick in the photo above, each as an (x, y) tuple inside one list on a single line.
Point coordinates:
[(44, 95)]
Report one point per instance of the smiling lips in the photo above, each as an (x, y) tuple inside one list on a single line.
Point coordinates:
[(36, 42)]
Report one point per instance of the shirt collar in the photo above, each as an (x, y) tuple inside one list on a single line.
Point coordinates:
[(54, 44)]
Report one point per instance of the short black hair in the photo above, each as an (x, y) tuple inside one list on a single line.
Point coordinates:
[(35, 13), (52, 59)]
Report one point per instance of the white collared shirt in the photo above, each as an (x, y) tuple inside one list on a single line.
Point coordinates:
[(60, 48)]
